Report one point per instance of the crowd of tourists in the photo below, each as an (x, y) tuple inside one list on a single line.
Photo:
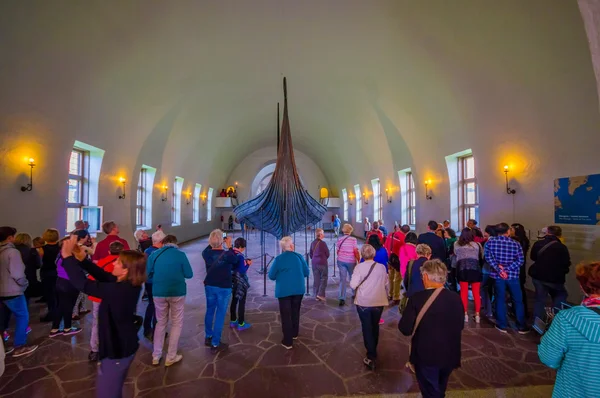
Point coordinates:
[(430, 277)]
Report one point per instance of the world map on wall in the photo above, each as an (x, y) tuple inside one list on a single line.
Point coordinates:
[(577, 200)]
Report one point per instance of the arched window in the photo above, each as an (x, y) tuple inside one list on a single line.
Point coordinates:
[(262, 179), (263, 183)]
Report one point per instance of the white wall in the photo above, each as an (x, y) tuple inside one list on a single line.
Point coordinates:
[(374, 87)]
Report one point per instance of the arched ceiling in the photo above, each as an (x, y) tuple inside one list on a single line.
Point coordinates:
[(196, 82)]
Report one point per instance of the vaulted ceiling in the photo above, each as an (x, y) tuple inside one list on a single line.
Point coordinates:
[(372, 84)]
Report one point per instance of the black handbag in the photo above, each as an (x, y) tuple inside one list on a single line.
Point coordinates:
[(394, 260)]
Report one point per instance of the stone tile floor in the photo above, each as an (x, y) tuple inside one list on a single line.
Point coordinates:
[(326, 361)]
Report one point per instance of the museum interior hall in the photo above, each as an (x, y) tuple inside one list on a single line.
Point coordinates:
[(284, 198)]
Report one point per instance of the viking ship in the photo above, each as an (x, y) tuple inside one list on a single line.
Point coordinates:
[(285, 206)]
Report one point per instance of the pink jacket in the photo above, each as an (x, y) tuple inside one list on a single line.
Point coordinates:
[(408, 252)]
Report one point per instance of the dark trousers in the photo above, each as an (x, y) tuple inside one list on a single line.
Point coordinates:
[(432, 381), (67, 297), (237, 310), (522, 281), (4, 317), (150, 316), (557, 292), (111, 377), (49, 292), (289, 308), (369, 320)]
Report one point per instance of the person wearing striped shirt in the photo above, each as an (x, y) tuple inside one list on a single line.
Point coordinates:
[(505, 257), (347, 253)]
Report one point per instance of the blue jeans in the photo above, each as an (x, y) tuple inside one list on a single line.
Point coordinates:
[(514, 288), (557, 292), (18, 306), (346, 270), (217, 301)]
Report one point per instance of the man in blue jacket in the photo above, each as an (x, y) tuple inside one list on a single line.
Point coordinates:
[(436, 243)]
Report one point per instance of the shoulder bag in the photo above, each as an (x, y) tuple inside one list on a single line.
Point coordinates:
[(420, 316), (394, 260), (404, 300), (366, 277), (533, 270)]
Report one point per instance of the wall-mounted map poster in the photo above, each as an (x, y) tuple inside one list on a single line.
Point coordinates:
[(577, 200)]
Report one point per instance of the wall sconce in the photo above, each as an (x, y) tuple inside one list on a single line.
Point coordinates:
[(189, 198), (389, 197), (29, 186), (366, 198), (350, 197), (122, 180), (427, 195), (203, 197), (509, 190), (164, 196)]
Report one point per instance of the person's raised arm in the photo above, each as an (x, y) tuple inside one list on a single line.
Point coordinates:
[(96, 272)]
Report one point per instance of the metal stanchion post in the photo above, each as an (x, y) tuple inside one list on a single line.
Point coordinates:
[(264, 259), (307, 278), (334, 260)]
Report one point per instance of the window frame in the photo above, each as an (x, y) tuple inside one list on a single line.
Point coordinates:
[(196, 203), (141, 204), (411, 198), (83, 181), (176, 205), (359, 203), (345, 201), (464, 209), (209, 204), (377, 204)]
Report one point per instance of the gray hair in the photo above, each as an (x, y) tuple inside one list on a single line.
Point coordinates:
[(435, 270), (215, 239), (367, 252), (286, 243), (423, 250)]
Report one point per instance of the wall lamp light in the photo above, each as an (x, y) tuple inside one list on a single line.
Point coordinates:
[(164, 196), (350, 197), (509, 190), (427, 192), (189, 198), (366, 198), (29, 186), (122, 180), (203, 197), (389, 197)]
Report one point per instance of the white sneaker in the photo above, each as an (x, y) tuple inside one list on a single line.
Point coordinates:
[(466, 318), (177, 358), (477, 319), (155, 361)]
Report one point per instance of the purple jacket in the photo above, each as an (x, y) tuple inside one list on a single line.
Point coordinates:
[(62, 273), (319, 252)]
